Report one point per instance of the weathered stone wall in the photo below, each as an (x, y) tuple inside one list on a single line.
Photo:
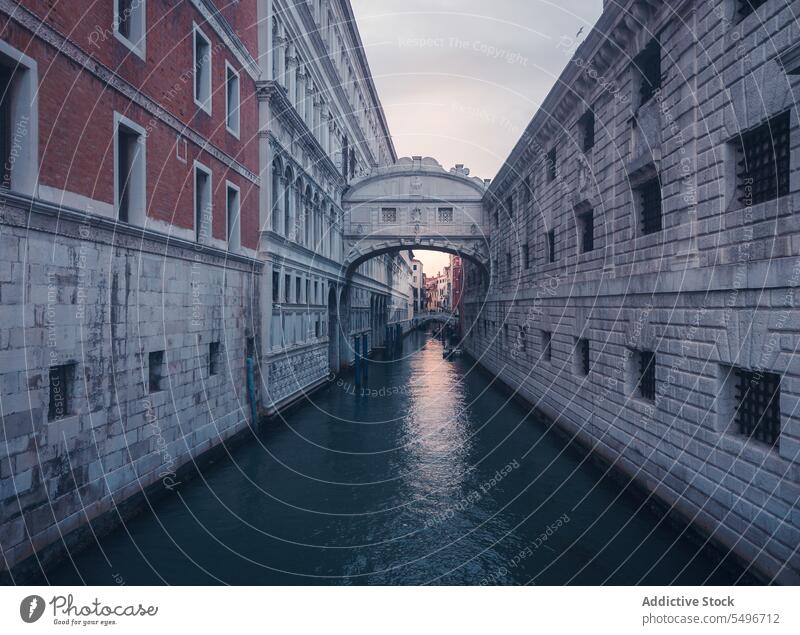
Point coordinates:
[(77, 290), (713, 290)]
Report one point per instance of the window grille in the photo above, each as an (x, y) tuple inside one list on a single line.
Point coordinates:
[(758, 411), (648, 62), (647, 375), (746, 7), (389, 215), (764, 162), (650, 194), (587, 231), (551, 245), (445, 214)]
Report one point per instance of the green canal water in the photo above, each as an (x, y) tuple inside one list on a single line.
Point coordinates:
[(431, 476)]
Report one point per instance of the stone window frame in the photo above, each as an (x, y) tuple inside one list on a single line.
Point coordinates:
[(235, 110), (641, 68), (137, 184), (389, 215), (582, 356), (196, 168), (636, 374), (214, 358), (156, 365), (23, 112), (137, 42), (61, 381), (445, 215), (547, 346), (233, 236), (206, 83), (728, 404), (587, 126)]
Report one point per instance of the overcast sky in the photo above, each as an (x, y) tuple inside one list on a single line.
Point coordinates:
[(460, 79)]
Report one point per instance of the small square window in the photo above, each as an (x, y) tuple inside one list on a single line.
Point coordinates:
[(586, 124), (547, 346), (758, 405), (650, 206), (232, 100), (61, 390), (648, 66), (586, 231), (202, 70), (445, 214), (646, 374), (155, 370), (213, 358), (764, 162), (551, 245), (389, 215)]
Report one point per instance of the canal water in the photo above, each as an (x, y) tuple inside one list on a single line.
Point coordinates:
[(432, 476)]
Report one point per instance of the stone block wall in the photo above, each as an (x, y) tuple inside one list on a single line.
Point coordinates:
[(711, 292), (78, 291)]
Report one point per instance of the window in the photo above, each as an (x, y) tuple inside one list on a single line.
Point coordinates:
[(445, 214), (232, 100), (510, 206), (129, 24), (155, 370), (276, 287), (129, 165), (505, 334), (552, 157), (202, 70), (586, 125), (213, 358), (547, 346), (758, 405), (202, 203), (523, 338), (646, 374), (297, 290), (586, 231), (309, 299), (19, 166), (287, 287), (746, 7), (763, 162), (551, 245), (648, 65), (526, 255), (61, 379), (650, 206), (232, 212), (388, 215), (582, 359), (316, 293), (496, 217)]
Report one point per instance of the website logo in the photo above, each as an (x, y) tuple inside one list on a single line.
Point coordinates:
[(31, 608)]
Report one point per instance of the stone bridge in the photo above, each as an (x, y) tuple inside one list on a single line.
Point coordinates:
[(415, 204)]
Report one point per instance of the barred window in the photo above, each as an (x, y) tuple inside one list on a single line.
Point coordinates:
[(389, 215), (547, 346), (763, 165), (582, 355), (586, 231), (586, 125), (551, 245), (213, 358), (746, 7), (445, 214), (758, 405), (648, 65), (646, 361), (650, 202)]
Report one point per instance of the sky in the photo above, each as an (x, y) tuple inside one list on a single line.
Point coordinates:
[(460, 79)]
